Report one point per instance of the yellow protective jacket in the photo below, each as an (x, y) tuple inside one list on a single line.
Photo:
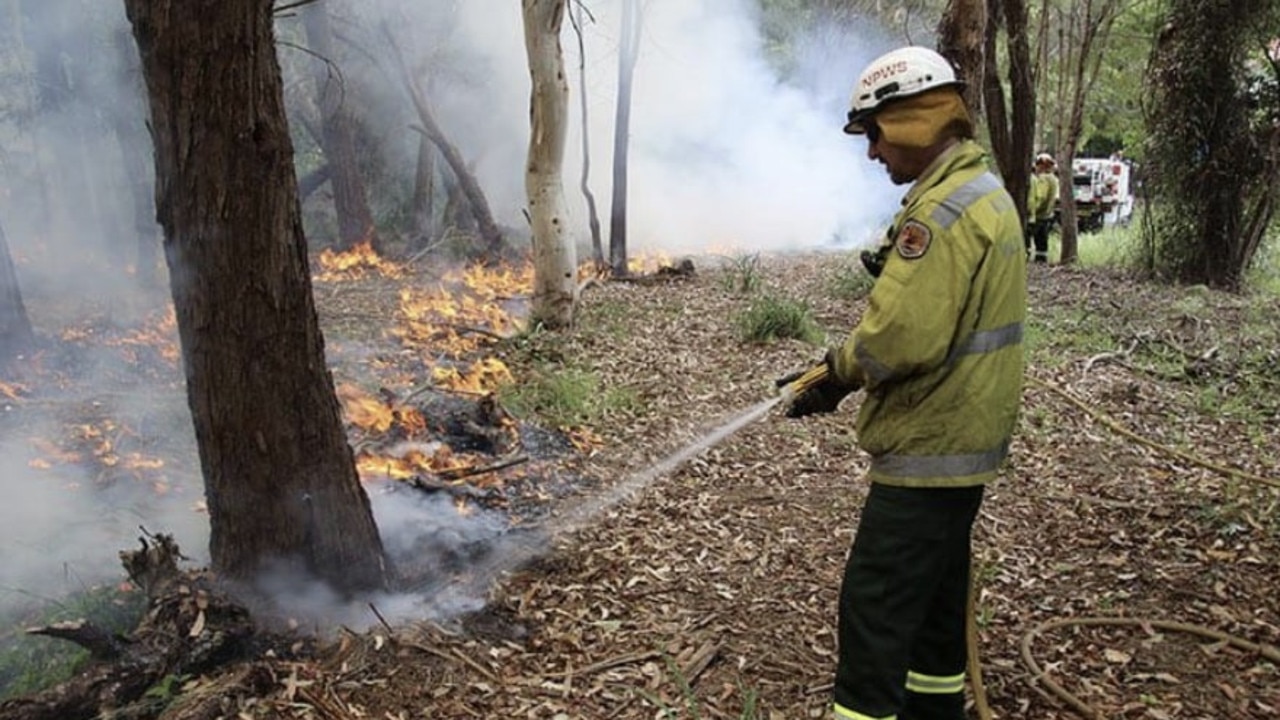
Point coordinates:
[(1043, 195), (939, 349)]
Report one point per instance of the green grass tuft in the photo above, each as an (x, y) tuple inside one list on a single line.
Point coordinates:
[(851, 281), (744, 274), (31, 663), (566, 397), (771, 318)]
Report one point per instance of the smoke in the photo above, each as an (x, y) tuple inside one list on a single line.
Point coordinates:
[(725, 153), (728, 154), (62, 530)]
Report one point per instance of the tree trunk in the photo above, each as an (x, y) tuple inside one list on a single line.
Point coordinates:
[(129, 123), (337, 136), (1011, 128), (1021, 136), (961, 32), (422, 203), (628, 51), (490, 234), (584, 183), (555, 282), (1084, 42), (15, 327), (280, 479)]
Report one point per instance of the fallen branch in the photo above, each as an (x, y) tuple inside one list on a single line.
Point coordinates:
[(460, 473), (609, 664), (700, 661), (101, 644), (455, 657), (190, 627)]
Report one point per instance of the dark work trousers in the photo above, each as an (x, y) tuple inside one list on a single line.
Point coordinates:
[(903, 604), (1040, 236)]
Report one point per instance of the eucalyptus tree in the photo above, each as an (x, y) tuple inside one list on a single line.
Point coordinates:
[(628, 53), (555, 282), (1083, 36), (280, 479), (337, 133)]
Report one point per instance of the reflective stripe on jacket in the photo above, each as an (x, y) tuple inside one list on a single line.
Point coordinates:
[(939, 349)]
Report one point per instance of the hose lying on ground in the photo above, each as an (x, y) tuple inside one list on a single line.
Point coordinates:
[(1083, 708)]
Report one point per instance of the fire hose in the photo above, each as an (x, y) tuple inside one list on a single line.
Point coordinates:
[(792, 387)]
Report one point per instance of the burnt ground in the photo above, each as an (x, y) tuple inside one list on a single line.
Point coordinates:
[(1136, 494)]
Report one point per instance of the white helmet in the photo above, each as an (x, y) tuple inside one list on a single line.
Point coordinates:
[(1045, 158), (901, 73)]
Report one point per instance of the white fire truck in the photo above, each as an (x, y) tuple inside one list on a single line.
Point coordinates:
[(1103, 192)]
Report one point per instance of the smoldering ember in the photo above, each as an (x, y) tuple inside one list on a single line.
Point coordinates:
[(387, 359)]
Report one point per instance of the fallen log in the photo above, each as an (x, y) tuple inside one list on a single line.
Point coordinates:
[(190, 627)]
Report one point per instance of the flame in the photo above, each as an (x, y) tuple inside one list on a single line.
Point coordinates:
[(371, 413), (417, 459), (483, 377), (355, 263), (465, 311), (13, 391), (649, 262), (158, 332)]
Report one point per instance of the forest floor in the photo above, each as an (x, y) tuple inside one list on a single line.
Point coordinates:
[(1128, 556), (1134, 491)]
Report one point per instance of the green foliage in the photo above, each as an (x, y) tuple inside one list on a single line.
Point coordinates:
[(565, 396), (770, 318), (160, 695), (743, 274), (30, 663), (1112, 246), (1210, 122)]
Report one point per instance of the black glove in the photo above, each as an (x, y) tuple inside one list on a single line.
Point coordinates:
[(823, 396), (873, 260), (788, 379)]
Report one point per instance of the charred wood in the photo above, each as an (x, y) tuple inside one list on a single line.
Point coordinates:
[(190, 627)]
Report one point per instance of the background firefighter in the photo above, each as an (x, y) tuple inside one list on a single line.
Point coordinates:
[(939, 352), (1041, 202)]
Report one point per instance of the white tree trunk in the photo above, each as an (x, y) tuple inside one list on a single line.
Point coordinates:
[(555, 285)]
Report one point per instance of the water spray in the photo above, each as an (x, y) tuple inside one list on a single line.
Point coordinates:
[(521, 545)]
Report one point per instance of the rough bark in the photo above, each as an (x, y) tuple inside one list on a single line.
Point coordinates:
[(1011, 126), (555, 282), (280, 479), (337, 136), (628, 52), (961, 32), (15, 326)]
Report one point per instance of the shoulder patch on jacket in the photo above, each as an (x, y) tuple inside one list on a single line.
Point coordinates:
[(913, 240)]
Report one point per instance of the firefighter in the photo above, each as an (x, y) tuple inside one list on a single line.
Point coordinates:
[(1040, 206), (939, 353)]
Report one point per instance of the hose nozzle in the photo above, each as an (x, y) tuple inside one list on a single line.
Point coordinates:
[(791, 388)]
